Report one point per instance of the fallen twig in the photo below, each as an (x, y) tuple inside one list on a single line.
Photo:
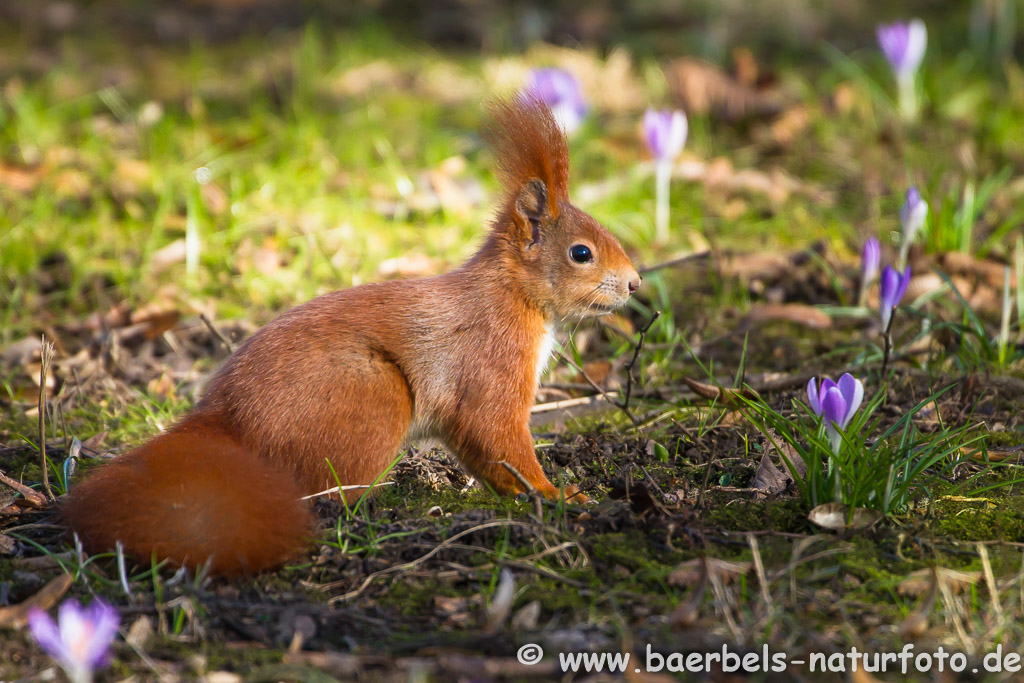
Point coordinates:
[(568, 403), (624, 406), (217, 333), (339, 489), (531, 491), (32, 497), (47, 356), (418, 561)]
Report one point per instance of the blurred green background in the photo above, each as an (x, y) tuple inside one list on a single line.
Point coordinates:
[(307, 146)]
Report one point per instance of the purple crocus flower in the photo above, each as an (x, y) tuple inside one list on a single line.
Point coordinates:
[(80, 639), (561, 92), (892, 287), (913, 214), (870, 258), (665, 132), (836, 403), (903, 43)]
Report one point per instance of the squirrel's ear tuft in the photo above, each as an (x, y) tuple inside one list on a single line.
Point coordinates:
[(529, 146)]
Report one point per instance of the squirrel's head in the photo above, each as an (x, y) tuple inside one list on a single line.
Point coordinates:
[(574, 267)]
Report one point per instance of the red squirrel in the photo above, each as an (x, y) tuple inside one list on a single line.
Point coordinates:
[(341, 382)]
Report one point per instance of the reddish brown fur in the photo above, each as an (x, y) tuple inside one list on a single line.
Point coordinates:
[(529, 144), (352, 375), (189, 495)]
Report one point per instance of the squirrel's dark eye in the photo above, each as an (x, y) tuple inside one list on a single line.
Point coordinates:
[(580, 253)]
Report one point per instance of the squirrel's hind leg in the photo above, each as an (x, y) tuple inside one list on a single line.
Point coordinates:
[(354, 418), (370, 430)]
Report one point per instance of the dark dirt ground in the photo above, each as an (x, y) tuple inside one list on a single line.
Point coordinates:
[(401, 586)]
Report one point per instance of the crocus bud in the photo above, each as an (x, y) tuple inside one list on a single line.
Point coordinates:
[(903, 43), (913, 214), (892, 287), (665, 132), (870, 258), (561, 92)]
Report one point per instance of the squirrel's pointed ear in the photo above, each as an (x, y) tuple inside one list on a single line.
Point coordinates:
[(531, 209)]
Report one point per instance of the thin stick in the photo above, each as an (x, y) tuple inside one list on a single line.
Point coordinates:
[(414, 563), (675, 262), (632, 361), (530, 488), (600, 392), (47, 356), (217, 333), (339, 489), (32, 497), (568, 403)]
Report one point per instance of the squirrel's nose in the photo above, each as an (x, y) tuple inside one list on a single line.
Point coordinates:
[(634, 284)]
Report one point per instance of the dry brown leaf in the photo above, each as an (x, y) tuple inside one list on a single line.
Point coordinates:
[(845, 97), (215, 199), (758, 265), (41, 562), (157, 319), (132, 176), (72, 184), (801, 314), (745, 64), (920, 581), (926, 283), (267, 259), (993, 454), (526, 617), (377, 75), (410, 265), (769, 478), (169, 255), (790, 125), (690, 572), (450, 605), (834, 516), (31, 497), (140, 633), (21, 179), (14, 616), (161, 386), (598, 371), (703, 88), (94, 442), (725, 395), (8, 546), (989, 272)]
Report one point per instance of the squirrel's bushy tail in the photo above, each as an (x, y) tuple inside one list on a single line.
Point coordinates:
[(192, 495)]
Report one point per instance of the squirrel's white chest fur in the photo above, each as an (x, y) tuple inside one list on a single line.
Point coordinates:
[(544, 350)]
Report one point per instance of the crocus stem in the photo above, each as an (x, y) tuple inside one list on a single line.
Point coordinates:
[(907, 96), (662, 176), (1003, 340), (79, 674), (838, 490), (862, 295), (901, 262), (888, 350)]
